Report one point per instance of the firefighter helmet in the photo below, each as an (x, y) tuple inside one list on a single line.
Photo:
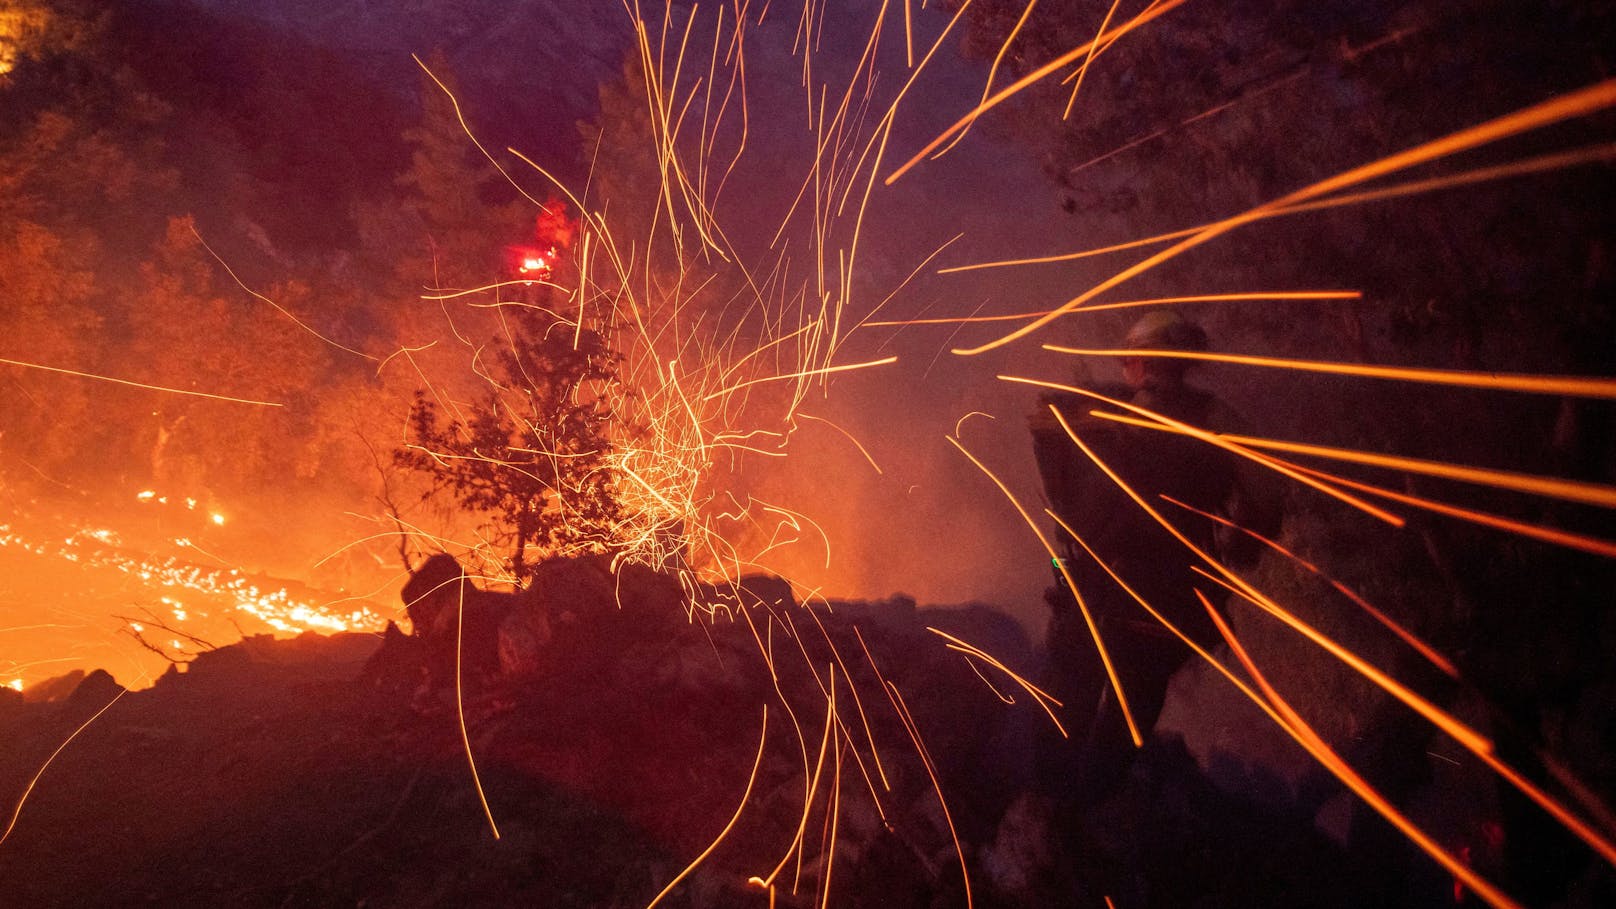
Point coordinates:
[(1165, 329)]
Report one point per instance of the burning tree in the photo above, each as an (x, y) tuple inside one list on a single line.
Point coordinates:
[(533, 452)]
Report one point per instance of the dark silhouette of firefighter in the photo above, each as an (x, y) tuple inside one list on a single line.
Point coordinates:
[(1158, 465)]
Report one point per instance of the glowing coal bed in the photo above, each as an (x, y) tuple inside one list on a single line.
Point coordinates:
[(76, 595)]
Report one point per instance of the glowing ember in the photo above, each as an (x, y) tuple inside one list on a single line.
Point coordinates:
[(275, 606)]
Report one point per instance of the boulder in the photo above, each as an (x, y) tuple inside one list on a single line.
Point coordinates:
[(523, 636), (53, 689), (397, 664), (96, 690), (455, 623)]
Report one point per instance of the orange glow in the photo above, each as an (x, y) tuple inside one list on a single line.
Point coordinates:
[(276, 607), (17, 26), (719, 355)]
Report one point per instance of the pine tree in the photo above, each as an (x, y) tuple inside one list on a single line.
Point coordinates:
[(534, 453), (456, 209), (196, 333)]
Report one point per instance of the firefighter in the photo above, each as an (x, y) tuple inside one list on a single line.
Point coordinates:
[(1089, 768)]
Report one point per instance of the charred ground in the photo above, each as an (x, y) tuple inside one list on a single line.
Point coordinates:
[(280, 773)]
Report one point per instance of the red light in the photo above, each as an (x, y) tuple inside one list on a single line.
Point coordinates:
[(532, 264)]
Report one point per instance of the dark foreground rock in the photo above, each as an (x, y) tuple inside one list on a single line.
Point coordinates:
[(333, 771)]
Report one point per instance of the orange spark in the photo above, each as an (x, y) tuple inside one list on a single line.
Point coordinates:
[(858, 704), (829, 693), (931, 770), (132, 384), (1574, 491), (1463, 734), (1082, 605), (850, 437), (801, 374), (1444, 721), (993, 71), (1083, 69), (1556, 161), (277, 307), (1551, 487), (460, 704), (1304, 735), (1583, 831), (1408, 637), (1150, 13), (1565, 538), (763, 736), (1568, 106), (808, 803), (1211, 439), (1574, 386), (1128, 304), (1043, 698), (28, 790)]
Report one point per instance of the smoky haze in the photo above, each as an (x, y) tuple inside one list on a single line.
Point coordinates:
[(271, 143), (282, 137)]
